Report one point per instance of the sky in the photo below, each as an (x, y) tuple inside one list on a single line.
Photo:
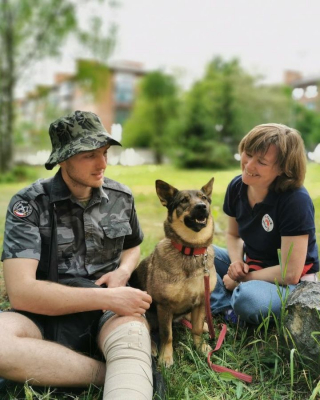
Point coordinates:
[(267, 36)]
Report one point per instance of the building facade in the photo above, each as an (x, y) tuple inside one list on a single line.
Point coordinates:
[(305, 90), (109, 91)]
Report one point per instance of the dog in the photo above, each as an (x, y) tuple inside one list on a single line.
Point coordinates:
[(173, 274)]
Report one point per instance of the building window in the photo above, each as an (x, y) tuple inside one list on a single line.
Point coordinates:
[(124, 88)]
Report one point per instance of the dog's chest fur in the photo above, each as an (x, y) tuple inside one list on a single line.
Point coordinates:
[(177, 280)]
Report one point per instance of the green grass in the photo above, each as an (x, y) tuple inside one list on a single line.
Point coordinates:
[(256, 351)]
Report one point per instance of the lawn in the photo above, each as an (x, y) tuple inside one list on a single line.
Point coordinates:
[(257, 352)]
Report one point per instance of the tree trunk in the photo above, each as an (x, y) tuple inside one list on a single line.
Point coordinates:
[(7, 85)]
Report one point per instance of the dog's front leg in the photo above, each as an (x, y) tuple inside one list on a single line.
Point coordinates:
[(165, 330), (197, 319)]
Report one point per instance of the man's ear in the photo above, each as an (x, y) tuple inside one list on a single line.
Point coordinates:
[(207, 189), (165, 192)]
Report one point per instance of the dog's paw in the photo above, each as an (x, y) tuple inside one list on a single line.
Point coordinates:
[(166, 360), (205, 348)]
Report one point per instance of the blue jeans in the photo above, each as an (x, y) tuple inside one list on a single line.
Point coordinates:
[(252, 300)]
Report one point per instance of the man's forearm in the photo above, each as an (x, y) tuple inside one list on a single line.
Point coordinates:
[(130, 259), (49, 298)]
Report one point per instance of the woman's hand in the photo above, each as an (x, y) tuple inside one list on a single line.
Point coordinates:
[(238, 270), (229, 283)]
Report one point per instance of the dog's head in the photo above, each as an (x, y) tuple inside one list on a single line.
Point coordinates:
[(192, 207)]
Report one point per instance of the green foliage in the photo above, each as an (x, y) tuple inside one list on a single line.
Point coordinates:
[(29, 32), (92, 76), (100, 44), (220, 109), (203, 127), (19, 173), (152, 119), (308, 124), (204, 154)]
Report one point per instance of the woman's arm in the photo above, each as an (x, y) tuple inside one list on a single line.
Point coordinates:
[(235, 250), (234, 242), (284, 275)]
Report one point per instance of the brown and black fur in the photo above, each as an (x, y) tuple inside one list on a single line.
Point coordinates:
[(174, 280)]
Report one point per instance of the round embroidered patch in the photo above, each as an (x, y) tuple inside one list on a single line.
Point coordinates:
[(22, 209), (267, 223)]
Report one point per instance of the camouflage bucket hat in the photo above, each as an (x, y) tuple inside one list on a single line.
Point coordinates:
[(77, 132)]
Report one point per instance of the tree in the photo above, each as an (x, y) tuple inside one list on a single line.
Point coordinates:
[(220, 109), (307, 122), (156, 107), (29, 32)]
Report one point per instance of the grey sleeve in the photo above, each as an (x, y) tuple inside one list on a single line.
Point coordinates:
[(21, 235), (136, 237)]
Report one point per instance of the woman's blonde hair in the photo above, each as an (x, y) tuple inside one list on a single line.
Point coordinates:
[(291, 157)]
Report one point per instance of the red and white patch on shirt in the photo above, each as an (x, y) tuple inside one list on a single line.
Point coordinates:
[(267, 223)]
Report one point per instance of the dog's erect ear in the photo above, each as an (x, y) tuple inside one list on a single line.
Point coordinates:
[(207, 189), (165, 192)]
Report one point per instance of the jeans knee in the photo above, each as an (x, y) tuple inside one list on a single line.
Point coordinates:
[(246, 304)]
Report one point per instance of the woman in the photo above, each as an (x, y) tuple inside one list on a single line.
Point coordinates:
[(268, 209)]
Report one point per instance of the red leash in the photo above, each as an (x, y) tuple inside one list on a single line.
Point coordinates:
[(208, 309), (216, 367)]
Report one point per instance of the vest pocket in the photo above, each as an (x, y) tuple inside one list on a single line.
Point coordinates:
[(114, 238), (65, 239)]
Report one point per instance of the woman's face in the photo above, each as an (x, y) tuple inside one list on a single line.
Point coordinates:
[(260, 170)]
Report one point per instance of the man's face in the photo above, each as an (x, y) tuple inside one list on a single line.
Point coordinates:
[(85, 169)]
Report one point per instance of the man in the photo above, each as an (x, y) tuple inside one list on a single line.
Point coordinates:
[(71, 243)]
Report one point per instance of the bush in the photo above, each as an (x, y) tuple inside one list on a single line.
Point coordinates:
[(19, 173), (207, 154)]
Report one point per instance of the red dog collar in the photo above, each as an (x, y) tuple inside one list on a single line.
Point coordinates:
[(189, 251)]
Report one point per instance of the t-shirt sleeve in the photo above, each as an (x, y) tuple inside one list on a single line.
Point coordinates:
[(136, 237), (297, 214), (229, 205), (21, 236)]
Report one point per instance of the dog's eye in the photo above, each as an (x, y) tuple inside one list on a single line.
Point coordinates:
[(204, 197), (185, 200)]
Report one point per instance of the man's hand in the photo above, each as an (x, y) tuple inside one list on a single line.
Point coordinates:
[(229, 283), (113, 279), (129, 301), (238, 270)]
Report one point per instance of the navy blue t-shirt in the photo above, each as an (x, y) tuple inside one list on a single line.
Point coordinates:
[(280, 214)]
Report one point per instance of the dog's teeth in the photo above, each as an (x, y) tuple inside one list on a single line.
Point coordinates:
[(203, 221)]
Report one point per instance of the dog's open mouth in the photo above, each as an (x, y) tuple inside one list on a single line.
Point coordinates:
[(201, 221), (195, 223)]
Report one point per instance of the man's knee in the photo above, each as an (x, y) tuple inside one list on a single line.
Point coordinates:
[(13, 324), (13, 327), (127, 350), (115, 321)]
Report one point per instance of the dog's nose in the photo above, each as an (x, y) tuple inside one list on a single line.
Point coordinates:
[(200, 206)]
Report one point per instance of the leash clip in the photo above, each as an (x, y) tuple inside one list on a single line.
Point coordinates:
[(204, 263)]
